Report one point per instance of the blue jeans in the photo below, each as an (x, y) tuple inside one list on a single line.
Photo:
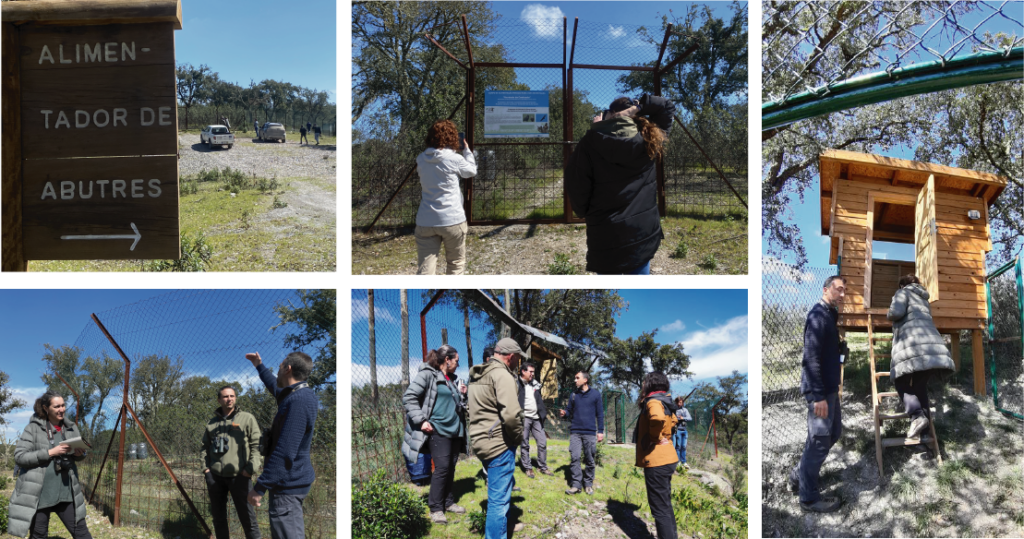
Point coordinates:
[(679, 440), (645, 269), (500, 481)]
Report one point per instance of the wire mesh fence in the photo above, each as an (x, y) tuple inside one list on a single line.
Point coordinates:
[(1005, 341), (521, 179), (184, 346), (812, 50)]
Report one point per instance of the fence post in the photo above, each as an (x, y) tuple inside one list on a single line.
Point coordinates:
[(444, 335), (469, 341), (405, 339), (373, 347)]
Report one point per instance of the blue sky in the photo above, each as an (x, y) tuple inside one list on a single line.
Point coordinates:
[(262, 39), (711, 325), (209, 330), (806, 214)]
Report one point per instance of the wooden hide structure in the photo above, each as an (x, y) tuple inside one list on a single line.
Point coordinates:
[(547, 366), (941, 210)]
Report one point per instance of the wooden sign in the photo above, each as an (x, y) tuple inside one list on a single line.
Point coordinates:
[(92, 93)]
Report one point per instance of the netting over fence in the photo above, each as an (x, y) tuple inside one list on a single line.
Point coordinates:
[(183, 346), (1005, 341)]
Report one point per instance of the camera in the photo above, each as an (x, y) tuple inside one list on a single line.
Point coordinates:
[(62, 463)]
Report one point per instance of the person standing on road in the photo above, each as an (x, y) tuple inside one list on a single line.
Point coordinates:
[(534, 415), (302, 135), (820, 385), (440, 218), (495, 430), (679, 435), (654, 452), (586, 430), (316, 133), (436, 416), (287, 471), (231, 444), (611, 182), (47, 479)]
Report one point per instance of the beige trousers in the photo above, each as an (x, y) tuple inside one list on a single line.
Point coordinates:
[(428, 246)]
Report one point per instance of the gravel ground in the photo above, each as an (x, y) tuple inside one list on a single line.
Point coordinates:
[(267, 159)]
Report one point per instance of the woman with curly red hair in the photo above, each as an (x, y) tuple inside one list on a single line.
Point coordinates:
[(441, 218)]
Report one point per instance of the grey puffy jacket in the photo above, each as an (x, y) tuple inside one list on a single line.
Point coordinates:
[(916, 344), (419, 401), (32, 457)]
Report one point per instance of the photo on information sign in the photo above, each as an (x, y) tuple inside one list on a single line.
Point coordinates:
[(892, 356), (555, 138), (627, 410), (169, 135), (168, 413)]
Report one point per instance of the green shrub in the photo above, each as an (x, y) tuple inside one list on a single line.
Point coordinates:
[(681, 250), (381, 508), (4, 502), (477, 521), (709, 263), (562, 266), (195, 256), (278, 203), (188, 187), (264, 185), (4, 482)]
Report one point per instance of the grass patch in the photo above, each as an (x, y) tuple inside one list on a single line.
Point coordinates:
[(952, 474), (562, 266)]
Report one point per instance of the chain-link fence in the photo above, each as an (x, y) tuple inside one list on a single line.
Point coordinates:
[(1005, 341), (182, 347), (521, 180), (821, 57)]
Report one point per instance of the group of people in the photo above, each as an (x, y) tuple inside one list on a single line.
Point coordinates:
[(919, 354), (309, 128), (498, 412), (610, 179), (47, 479)]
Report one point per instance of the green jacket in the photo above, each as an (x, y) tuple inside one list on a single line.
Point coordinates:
[(243, 452), (32, 457), (495, 417)]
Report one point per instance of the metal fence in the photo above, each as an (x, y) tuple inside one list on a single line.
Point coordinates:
[(521, 180), (1005, 341), (144, 402)]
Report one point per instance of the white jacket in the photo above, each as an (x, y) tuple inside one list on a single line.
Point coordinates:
[(439, 172)]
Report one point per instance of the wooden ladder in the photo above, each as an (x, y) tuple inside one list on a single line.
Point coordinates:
[(930, 440)]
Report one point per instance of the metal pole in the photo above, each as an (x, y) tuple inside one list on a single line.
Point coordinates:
[(713, 165), (373, 346), (566, 112), (470, 115), (105, 455), (570, 128), (423, 320)]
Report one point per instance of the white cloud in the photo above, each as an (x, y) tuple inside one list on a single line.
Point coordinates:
[(361, 311), (673, 327), (616, 33), (731, 333), (786, 271), (17, 419), (545, 21), (721, 362)]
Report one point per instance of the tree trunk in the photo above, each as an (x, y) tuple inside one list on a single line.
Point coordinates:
[(469, 341), (373, 348), (405, 339)]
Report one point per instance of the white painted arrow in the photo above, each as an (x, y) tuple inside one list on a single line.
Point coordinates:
[(136, 236)]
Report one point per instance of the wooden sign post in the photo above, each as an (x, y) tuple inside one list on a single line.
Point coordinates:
[(90, 125)]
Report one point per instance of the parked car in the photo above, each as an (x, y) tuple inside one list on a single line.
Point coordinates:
[(272, 131), (218, 135)]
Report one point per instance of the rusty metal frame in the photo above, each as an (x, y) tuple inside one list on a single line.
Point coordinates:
[(120, 457), (423, 319), (103, 463), (713, 165)]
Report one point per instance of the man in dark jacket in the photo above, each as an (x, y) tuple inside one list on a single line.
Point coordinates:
[(820, 386), (612, 183), (534, 415), (586, 430), (287, 471)]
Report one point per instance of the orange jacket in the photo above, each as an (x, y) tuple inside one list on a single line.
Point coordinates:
[(654, 442)]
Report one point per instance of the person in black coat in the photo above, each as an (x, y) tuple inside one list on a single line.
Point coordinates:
[(612, 184)]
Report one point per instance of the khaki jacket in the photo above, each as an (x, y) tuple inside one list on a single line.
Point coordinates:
[(495, 417), (655, 427), (243, 434)]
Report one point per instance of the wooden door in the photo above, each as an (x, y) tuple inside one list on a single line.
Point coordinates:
[(926, 251)]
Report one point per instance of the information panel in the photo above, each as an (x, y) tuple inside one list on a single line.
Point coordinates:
[(516, 114)]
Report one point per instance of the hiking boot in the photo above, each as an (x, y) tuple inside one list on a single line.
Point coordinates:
[(516, 489), (794, 485), (572, 490), (518, 527), (589, 490), (438, 518), (917, 427), (546, 471), (457, 509), (824, 505), (529, 473)]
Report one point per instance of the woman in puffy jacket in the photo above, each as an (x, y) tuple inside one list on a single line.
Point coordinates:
[(436, 416), (612, 184), (441, 218), (918, 351), (47, 479), (655, 452)]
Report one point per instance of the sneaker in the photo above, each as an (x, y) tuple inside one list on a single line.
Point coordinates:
[(794, 485), (516, 489), (572, 490), (546, 471), (438, 518), (824, 505), (529, 473), (589, 490), (917, 427), (687, 466), (457, 509), (518, 527)]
